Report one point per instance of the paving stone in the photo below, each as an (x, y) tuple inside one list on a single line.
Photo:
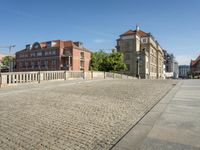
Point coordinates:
[(88, 115)]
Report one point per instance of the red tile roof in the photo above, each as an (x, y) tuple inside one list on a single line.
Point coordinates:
[(60, 43), (131, 32), (193, 62)]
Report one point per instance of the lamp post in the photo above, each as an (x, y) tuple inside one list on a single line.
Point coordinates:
[(69, 62), (138, 67), (0, 68), (0, 75), (10, 48)]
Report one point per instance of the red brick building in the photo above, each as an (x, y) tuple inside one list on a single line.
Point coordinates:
[(53, 55)]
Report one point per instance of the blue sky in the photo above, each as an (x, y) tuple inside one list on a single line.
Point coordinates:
[(98, 23)]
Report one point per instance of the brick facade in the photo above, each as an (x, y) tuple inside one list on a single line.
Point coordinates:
[(53, 55), (195, 67)]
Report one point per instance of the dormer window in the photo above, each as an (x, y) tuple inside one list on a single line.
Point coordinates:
[(36, 45), (49, 44), (144, 40), (28, 47)]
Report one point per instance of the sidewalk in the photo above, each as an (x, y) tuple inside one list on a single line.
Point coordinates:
[(173, 124)]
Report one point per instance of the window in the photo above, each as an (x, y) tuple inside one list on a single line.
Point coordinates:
[(35, 64), (39, 53), (53, 52), (46, 53), (21, 56), (49, 44), (36, 46), (128, 67), (127, 45), (127, 56), (46, 63), (82, 55), (20, 64), (32, 64), (53, 62), (28, 47), (33, 54), (81, 65), (144, 40)]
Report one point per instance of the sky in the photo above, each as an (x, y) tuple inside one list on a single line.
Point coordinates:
[(98, 23)]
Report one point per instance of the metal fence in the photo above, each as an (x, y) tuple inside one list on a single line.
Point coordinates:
[(14, 78)]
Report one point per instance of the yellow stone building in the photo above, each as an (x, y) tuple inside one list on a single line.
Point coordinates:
[(143, 55)]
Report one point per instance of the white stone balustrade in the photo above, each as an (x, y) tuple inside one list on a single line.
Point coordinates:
[(13, 78)]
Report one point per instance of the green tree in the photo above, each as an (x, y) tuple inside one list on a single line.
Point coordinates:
[(112, 62), (97, 59), (7, 59)]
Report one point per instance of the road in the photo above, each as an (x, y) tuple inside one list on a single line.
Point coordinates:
[(73, 115), (173, 124)]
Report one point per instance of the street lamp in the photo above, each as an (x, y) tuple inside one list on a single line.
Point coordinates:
[(138, 67), (10, 48), (0, 75), (0, 67)]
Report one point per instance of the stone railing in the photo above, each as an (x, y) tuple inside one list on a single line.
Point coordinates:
[(14, 78)]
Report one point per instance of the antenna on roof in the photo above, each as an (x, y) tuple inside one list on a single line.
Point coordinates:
[(137, 27)]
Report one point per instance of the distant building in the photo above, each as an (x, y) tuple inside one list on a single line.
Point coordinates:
[(183, 71), (169, 61), (171, 65), (195, 67), (53, 55), (176, 70), (142, 54)]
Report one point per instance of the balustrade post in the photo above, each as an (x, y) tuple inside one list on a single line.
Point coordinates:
[(83, 73), (39, 77), (92, 75), (65, 75), (0, 79)]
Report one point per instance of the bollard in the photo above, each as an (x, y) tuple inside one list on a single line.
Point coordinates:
[(104, 74)]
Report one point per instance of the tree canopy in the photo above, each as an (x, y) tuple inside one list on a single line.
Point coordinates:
[(110, 62), (6, 59)]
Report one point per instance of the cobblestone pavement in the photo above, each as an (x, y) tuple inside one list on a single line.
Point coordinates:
[(85, 115)]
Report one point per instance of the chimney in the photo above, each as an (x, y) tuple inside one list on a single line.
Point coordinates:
[(137, 27)]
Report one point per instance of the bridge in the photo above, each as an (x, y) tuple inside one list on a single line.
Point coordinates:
[(75, 114)]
